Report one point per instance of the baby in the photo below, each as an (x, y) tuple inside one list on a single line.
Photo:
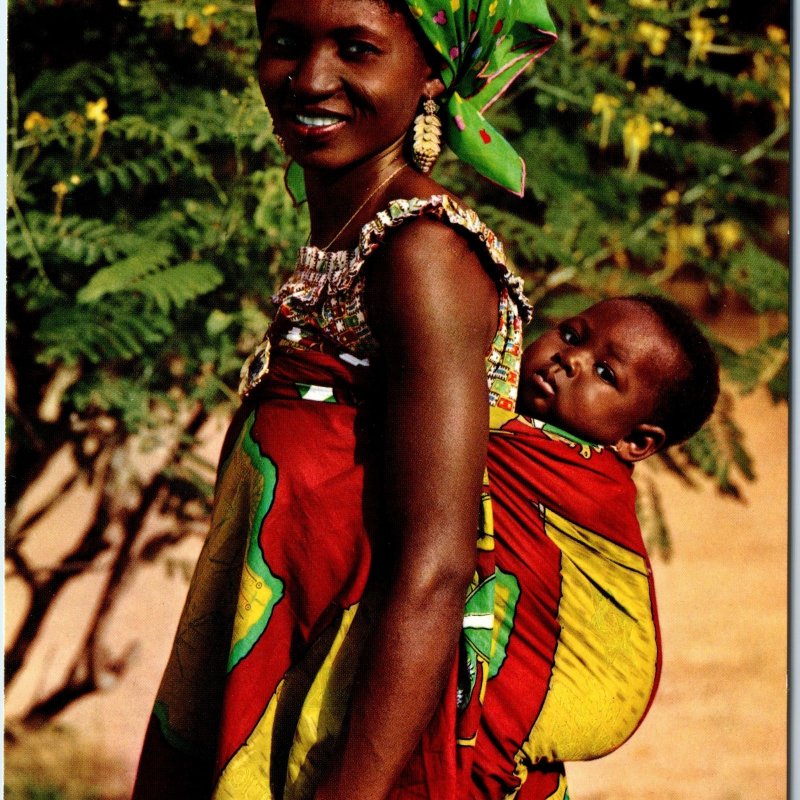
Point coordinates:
[(572, 660), (633, 373)]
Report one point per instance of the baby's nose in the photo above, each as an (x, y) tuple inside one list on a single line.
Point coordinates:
[(572, 360)]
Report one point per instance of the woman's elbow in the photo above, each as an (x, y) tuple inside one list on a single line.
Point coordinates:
[(441, 579)]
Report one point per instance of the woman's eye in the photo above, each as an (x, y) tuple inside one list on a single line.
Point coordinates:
[(606, 374), (279, 43), (357, 48)]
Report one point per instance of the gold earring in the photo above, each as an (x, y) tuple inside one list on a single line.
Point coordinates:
[(281, 143), (426, 139)]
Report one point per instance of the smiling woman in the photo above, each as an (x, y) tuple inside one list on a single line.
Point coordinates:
[(318, 654), (341, 93)]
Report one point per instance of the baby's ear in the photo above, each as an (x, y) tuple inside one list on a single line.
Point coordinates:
[(643, 441)]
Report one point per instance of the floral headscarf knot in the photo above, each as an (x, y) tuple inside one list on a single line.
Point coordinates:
[(485, 45)]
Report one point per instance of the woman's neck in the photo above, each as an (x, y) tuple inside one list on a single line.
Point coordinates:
[(340, 201)]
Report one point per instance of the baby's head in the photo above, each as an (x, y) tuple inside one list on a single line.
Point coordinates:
[(633, 372)]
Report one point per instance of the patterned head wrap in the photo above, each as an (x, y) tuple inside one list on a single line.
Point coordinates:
[(485, 45)]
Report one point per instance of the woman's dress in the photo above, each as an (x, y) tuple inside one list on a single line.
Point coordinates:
[(279, 605)]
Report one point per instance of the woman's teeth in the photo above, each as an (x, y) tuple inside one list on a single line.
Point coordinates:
[(316, 122)]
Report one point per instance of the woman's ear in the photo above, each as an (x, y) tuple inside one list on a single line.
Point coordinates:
[(433, 87), (643, 441)]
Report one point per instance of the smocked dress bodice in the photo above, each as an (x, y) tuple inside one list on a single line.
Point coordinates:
[(322, 305)]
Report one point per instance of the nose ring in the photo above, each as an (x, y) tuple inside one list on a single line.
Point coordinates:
[(289, 79)]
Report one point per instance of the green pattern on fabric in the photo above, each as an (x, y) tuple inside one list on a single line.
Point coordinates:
[(319, 394), (549, 427), (489, 618), (485, 45), (268, 586)]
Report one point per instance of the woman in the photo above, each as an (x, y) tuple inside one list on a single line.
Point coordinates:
[(355, 517)]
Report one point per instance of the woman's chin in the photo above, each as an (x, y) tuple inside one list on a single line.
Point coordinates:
[(320, 159)]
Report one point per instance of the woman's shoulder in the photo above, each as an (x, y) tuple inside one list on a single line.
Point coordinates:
[(437, 227)]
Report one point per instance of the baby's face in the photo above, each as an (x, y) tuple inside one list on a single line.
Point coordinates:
[(599, 374)]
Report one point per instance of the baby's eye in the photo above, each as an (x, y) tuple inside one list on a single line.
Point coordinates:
[(569, 335), (606, 374)]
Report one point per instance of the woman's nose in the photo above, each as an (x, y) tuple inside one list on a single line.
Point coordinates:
[(316, 74)]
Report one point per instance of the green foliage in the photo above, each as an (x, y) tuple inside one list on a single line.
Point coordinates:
[(148, 222)]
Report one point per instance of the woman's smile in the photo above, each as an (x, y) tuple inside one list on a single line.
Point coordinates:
[(311, 124)]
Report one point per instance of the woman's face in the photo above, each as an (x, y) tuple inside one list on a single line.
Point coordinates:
[(342, 79)]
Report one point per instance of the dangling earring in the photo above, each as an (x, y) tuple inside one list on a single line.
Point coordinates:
[(426, 139), (281, 143)]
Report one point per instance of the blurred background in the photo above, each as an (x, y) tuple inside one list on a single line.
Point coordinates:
[(147, 228)]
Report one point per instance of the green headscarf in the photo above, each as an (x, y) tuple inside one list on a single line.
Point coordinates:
[(485, 45)]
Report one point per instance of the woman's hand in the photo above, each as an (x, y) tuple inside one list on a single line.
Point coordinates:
[(434, 309)]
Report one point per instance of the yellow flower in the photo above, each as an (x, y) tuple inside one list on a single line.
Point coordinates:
[(597, 36), (775, 34), (605, 105), (773, 70), (672, 197), (96, 111), (209, 9), (655, 36), (74, 179), (36, 122), (681, 238), (202, 35), (700, 35), (760, 68), (728, 233), (635, 139), (784, 87), (692, 236), (201, 31), (60, 190), (649, 3)]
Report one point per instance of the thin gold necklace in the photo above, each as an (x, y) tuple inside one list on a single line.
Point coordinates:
[(359, 209)]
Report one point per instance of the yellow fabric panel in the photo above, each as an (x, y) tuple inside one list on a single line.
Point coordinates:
[(561, 792), (501, 596), (499, 416), (254, 597), (319, 720), (246, 775), (325, 706), (521, 771), (605, 660), (486, 538)]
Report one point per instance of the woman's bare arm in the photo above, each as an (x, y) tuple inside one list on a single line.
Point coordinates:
[(434, 310)]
